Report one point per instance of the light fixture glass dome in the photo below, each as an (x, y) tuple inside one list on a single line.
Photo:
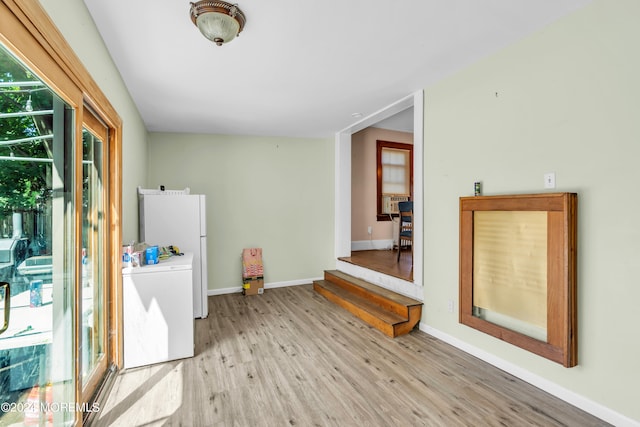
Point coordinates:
[(218, 21), (218, 27)]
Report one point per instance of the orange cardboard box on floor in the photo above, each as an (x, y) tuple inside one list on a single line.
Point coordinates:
[(252, 271), (253, 286)]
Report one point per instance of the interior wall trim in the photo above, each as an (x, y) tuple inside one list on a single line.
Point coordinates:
[(272, 285), (365, 245)]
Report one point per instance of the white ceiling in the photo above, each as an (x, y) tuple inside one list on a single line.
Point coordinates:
[(302, 68), (402, 121)]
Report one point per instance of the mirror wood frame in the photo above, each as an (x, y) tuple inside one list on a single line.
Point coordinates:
[(561, 345)]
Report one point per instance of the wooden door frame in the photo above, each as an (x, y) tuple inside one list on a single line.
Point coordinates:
[(28, 32)]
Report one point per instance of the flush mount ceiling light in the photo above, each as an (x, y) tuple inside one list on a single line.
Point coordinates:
[(218, 21)]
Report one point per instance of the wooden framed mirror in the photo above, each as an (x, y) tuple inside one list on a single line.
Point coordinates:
[(518, 271)]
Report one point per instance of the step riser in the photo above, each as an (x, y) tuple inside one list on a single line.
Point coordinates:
[(388, 330), (415, 313), (370, 303), (379, 300)]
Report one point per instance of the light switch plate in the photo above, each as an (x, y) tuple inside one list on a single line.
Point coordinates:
[(550, 180)]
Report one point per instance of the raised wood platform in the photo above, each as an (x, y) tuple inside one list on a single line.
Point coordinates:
[(385, 310)]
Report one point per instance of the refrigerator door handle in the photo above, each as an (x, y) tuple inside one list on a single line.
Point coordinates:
[(204, 283), (203, 215)]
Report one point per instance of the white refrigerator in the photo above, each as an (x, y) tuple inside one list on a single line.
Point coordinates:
[(175, 217)]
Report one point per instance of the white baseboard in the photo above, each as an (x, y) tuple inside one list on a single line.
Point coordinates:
[(366, 245), (291, 283), (550, 387), (394, 284), (272, 285)]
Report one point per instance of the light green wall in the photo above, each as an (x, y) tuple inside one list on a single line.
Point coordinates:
[(273, 193), (76, 25), (565, 100)]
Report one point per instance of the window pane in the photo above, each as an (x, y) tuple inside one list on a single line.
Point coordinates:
[(93, 238), (510, 270), (395, 171), (37, 228), (394, 157)]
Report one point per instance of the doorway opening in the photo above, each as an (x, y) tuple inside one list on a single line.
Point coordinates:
[(379, 267)]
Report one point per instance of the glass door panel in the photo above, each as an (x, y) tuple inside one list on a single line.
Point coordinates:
[(37, 250), (93, 339)]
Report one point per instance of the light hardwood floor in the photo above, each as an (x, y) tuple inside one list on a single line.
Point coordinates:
[(289, 357)]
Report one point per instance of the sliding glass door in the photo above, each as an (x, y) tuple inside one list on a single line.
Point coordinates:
[(38, 254), (93, 340)]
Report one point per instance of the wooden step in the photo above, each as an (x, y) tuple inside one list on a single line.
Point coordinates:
[(387, 299), (387, 311)]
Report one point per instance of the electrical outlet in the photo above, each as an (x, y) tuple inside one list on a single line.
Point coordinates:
[(450, 306), (369, 229)]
